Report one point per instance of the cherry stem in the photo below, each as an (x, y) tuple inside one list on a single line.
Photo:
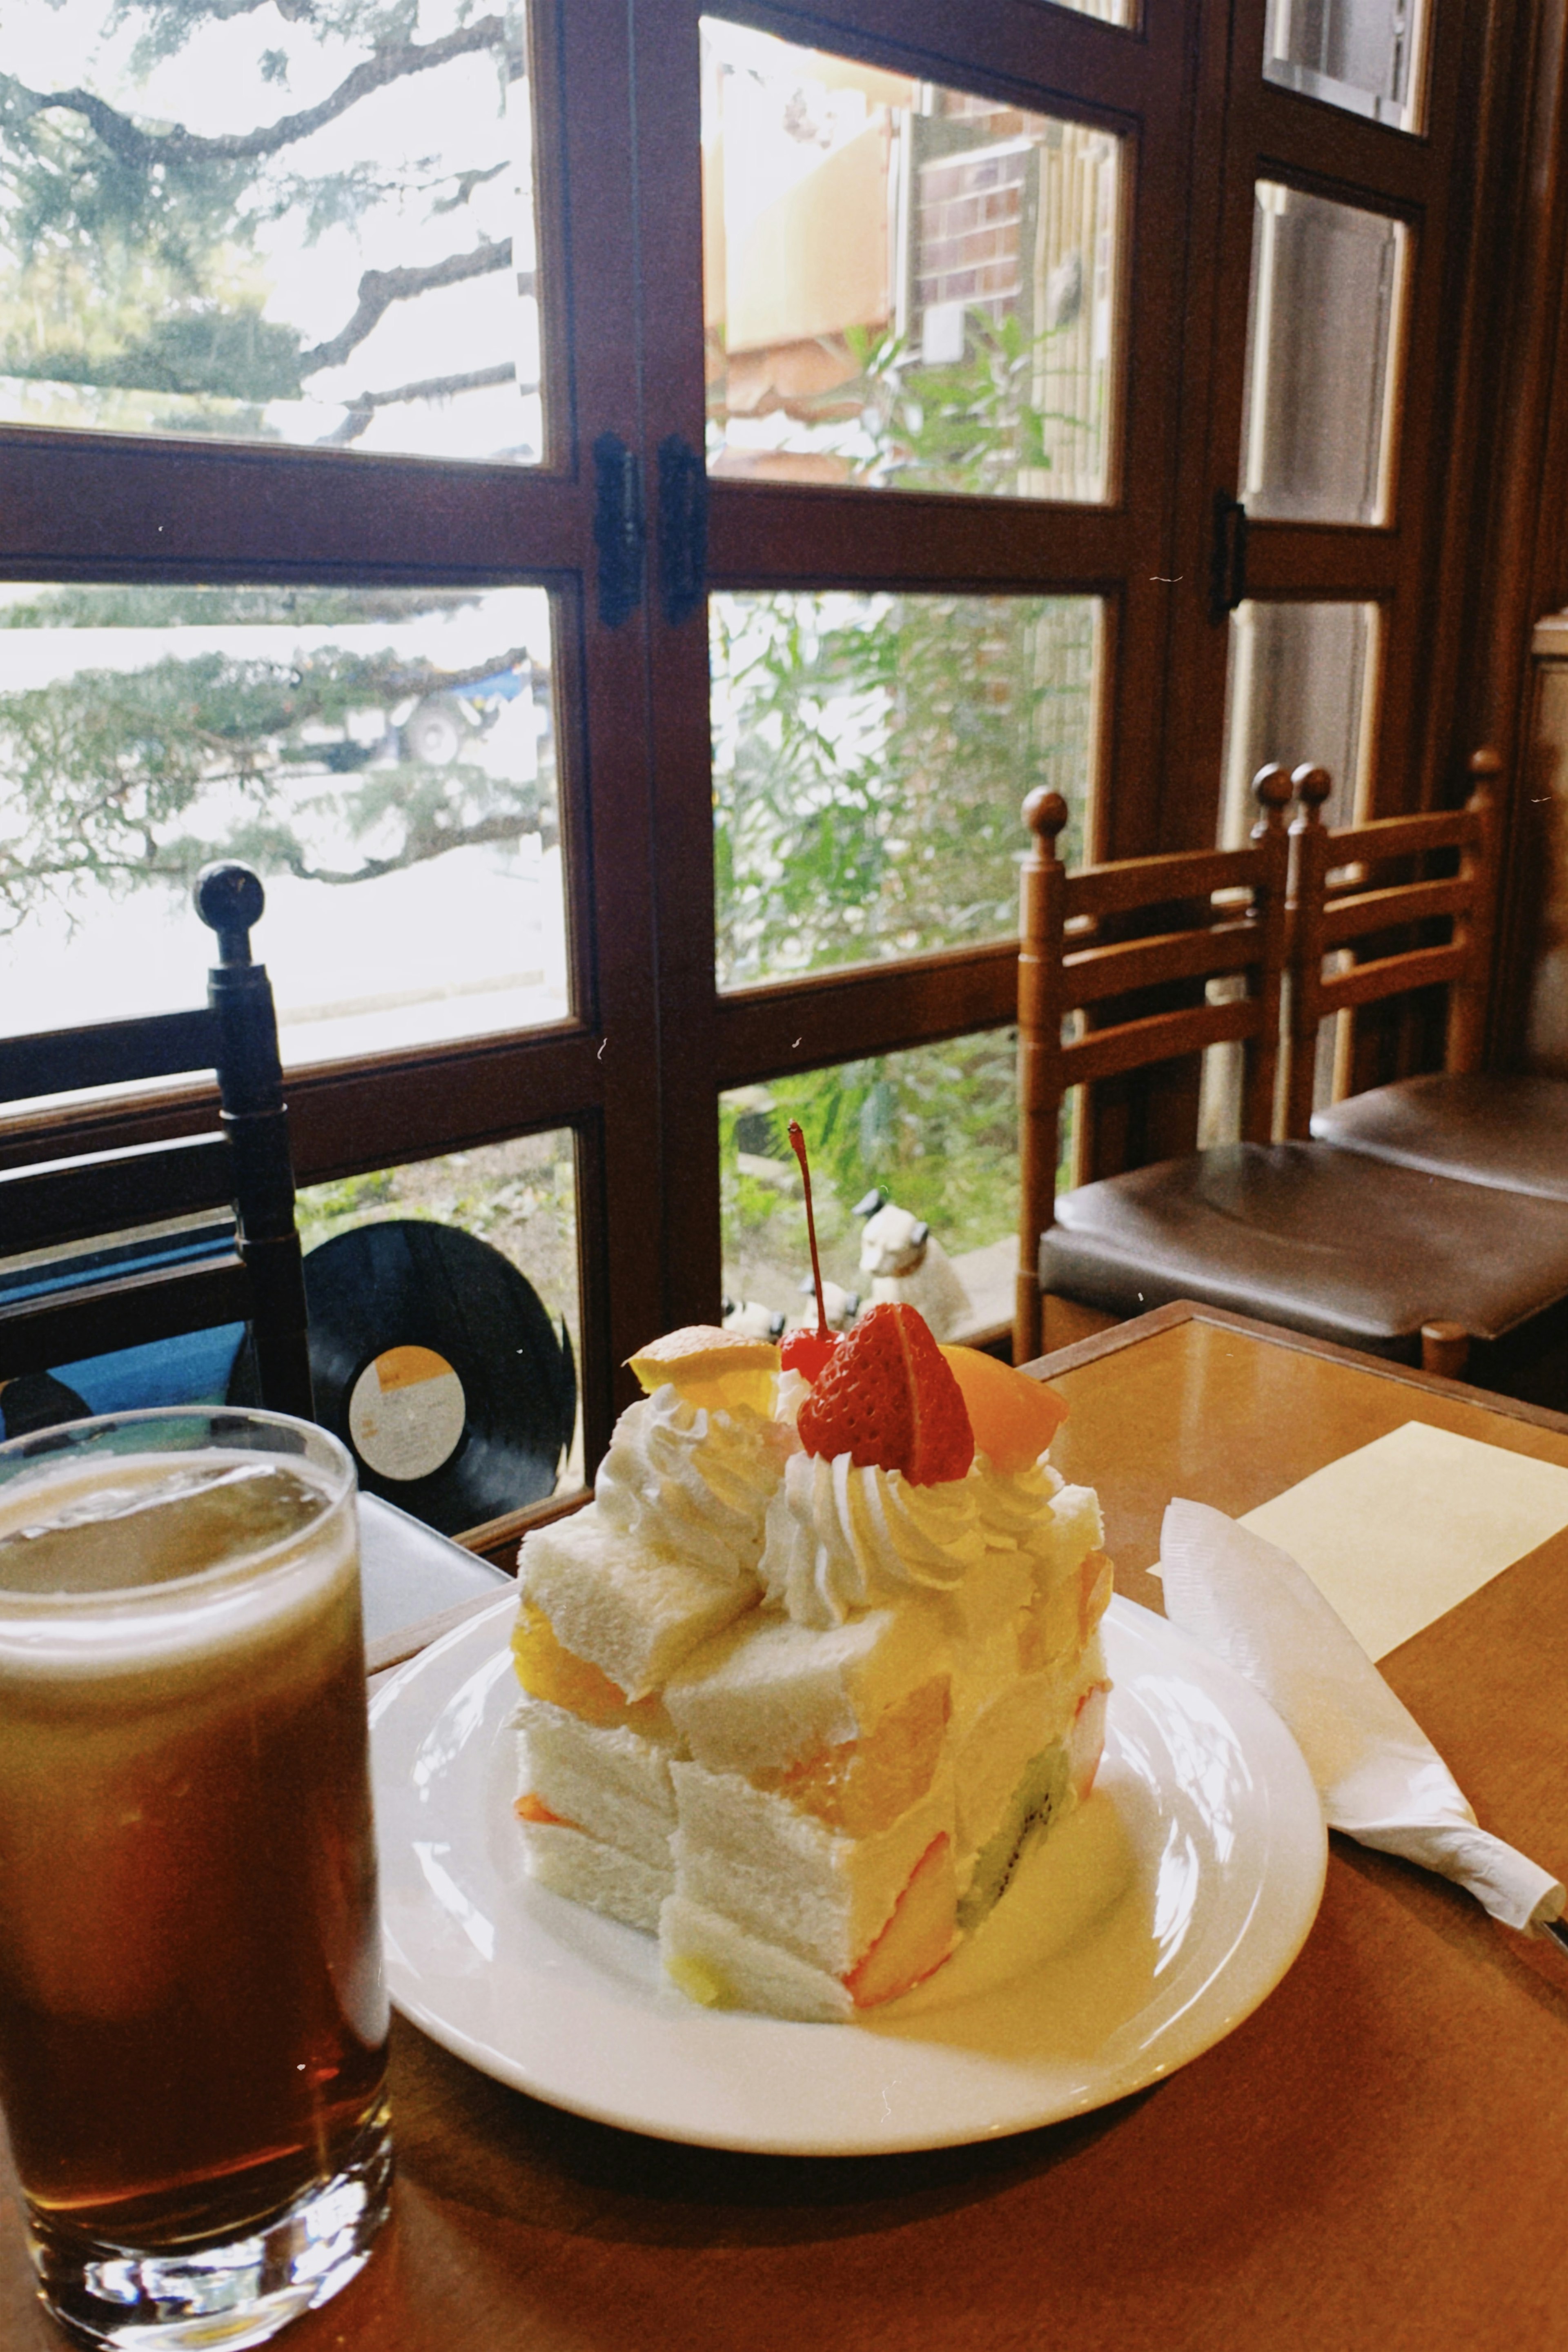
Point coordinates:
[(797, 1144)]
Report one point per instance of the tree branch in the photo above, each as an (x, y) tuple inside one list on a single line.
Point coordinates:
[(436, 387), (133, 146), (380, 289), (421, 844)]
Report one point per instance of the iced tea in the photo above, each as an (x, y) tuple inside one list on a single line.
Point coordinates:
[(192, 2022)]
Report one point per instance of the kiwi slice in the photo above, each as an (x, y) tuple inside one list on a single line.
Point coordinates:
[(1032, 1806)]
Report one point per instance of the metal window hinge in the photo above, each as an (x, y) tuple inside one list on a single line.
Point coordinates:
[(620, 529), (682, 529), (1227, 568)]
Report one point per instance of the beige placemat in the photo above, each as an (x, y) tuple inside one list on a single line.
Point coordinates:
[(1401, 1531)]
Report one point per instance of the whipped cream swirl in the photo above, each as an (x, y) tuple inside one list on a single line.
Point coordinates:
[(690, 1481), (840, 1538), (1014, 1506)]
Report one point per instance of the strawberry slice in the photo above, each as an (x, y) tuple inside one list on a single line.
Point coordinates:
[(888, 1400)]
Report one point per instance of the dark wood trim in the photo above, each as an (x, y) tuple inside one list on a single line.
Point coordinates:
[(835, 1017), (772, 535), (1318, 562), (1518, 572)]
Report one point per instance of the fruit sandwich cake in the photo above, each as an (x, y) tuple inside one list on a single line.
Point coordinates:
[(816, 1667)]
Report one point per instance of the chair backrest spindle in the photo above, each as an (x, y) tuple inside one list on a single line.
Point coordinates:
[(253, 1269), (1367, 908), (1066, 965)]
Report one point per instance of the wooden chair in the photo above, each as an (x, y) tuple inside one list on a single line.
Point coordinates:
[(242, 1267), (1505, 1129), (1296, 1233)]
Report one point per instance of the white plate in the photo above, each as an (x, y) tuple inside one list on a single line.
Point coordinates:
[(1192, 1877)]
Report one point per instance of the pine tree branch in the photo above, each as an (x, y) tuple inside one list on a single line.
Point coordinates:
[(361, 409), (133, 146), (380, 289)]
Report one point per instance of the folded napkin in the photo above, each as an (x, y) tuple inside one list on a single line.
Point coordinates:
[(1379, 1776)]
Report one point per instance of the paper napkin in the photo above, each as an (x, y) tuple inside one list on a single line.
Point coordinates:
[(1380, 1778)]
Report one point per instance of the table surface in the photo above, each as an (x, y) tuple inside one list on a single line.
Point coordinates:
[(1374, 2159)]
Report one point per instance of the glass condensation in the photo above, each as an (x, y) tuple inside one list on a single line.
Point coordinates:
[(1366, 56), (1328, 286), (934, 1131), (905, 286), (870, 755), (519, 1198), (313, 223), (383, 757)]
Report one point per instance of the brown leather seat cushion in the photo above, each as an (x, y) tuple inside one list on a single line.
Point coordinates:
[(1324, 1240), (1505, 1128)]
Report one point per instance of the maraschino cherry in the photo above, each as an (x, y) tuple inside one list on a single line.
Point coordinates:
[(809, 1352)]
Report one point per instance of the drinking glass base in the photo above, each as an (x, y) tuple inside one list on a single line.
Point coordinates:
[(226, 2292)]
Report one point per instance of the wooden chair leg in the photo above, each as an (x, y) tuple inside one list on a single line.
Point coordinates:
[(1444, 1349)]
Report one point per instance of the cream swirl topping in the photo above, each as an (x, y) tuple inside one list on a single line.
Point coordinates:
[(839, 1537), (1014, 1506), (692, 1481)]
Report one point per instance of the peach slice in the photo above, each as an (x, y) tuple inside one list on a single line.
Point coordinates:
[(863, 1785), (919, 1936), (534, 1809), (1013, 1418), (1086, 1740), (710, 1366)]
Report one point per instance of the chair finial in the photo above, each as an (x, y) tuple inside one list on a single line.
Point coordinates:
[(230, 900), (1311, 786), (1485, 765), (1046, 814), (1272, 789)]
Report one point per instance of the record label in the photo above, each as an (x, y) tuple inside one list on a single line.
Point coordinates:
[(406, 1412)]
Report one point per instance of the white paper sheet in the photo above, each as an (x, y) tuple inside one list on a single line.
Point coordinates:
[(1401, 1531)]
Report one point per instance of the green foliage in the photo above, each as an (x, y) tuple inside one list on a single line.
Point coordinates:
[(936, 1128), (871, 758), (130, 606), (132, 252), (323, 1210), (974, 426), (236, 354), (131, 776)]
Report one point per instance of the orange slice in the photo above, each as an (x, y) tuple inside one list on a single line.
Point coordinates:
[(1013, 1418), (709, 1366), (548, 1670)]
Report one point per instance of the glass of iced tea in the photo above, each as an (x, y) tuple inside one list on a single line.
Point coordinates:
[(192, 2025)]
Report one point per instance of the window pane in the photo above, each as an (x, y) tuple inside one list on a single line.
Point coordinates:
[(384, 758), (1326, 286), (283, 224), (1300, 688), (935, 1130), (1366, 56), (869, 757), (404, 1419), (906, 287), (1299, 691)]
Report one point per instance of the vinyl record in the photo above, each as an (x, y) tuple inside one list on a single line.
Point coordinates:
[(436, 1362)]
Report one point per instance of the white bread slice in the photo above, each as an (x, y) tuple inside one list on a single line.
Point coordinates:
[(631, 1612), (611, 1782), (768, 1692), (786, 1878), (709, 1956), (587, 1871)]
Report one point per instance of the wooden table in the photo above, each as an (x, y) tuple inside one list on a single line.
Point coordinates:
[(1376, 2160)]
